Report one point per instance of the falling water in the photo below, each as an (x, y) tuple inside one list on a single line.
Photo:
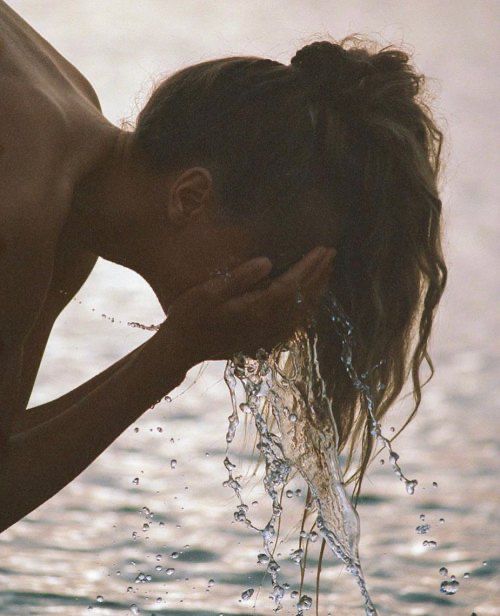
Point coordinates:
[(286, 386), (346, 332)]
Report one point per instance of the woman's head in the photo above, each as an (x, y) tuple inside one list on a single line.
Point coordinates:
[(338, 148)]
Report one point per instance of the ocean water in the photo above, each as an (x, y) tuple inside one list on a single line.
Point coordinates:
[(134, 510)]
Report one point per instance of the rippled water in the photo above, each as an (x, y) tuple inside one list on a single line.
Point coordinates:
[(64, 556)]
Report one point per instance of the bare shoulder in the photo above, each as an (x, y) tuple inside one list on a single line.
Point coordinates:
[(31, 139), (33, 203), (35, 196), (31, 58), (49, 132)]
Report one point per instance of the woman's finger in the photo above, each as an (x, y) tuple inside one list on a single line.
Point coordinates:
[(281, 291), (222, 287), (298, 271), (315, 285)]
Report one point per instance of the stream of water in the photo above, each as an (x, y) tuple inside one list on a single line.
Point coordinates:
[(285, 390)]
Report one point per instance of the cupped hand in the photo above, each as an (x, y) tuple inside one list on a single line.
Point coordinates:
[(245, 310)]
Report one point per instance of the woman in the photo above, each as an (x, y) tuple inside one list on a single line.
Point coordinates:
[(237, 167)]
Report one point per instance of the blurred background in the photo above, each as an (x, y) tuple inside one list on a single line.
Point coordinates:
[(135, 512)]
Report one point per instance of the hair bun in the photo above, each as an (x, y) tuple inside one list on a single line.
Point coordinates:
[(319, 55), (330, 72)]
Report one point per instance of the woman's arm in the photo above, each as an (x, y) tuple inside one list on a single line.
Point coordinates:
[(35, 416), (215, 320), (45, 458)]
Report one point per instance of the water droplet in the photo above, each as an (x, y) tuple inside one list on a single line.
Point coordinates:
[(410, 485), (289, 493), (262, 559), (167, 399), (277, 594), (297, 555), (305, 602), (134, 609), (170, 571), (292, 417), (485, 562), (228, 464), (99, 598), (175, 555), (211, 582), (247, 594), (466, 576), (173, 463), (441, 520), (443, 571), (158, 568), (449, 587), (429, 544), (136, 429), (135, 481), (422, 516), (434, 484), (423, 529), (273, 566)]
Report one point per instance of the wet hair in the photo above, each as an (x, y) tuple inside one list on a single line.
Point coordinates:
[(344, 134)]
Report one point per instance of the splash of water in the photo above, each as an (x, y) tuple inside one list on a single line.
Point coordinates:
[(345, 330), (286, 386)]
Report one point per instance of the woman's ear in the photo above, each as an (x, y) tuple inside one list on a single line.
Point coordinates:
[(191, 193)]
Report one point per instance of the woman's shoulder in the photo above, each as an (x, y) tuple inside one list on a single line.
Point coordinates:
[(25, 52)]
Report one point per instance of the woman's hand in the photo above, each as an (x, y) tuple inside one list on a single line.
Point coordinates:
[(244, 310)]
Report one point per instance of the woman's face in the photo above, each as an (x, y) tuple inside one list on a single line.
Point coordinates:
[(208, 244), (210, 248)]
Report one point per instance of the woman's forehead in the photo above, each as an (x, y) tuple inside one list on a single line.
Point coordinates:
[(284, 255), (286, 239)]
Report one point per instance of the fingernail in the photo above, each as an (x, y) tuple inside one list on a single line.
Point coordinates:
[(320, 252), (262, 262)]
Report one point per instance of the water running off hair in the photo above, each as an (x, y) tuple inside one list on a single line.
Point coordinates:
[(285, 396)]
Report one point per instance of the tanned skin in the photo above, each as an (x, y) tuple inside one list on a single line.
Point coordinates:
[(72, 189)]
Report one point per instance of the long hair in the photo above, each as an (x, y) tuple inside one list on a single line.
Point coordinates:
[(341, 140)]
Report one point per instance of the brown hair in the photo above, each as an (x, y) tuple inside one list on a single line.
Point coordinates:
[(349, 122)]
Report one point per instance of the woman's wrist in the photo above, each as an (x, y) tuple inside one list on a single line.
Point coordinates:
[(162, 364)]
